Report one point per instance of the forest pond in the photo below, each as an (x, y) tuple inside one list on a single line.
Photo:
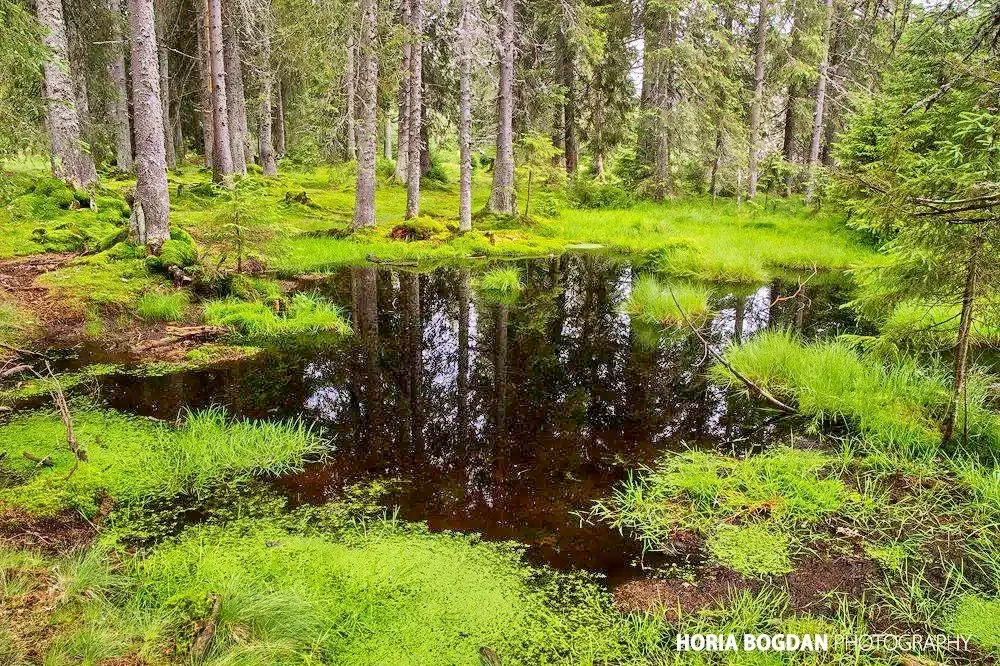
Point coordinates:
[(500, 419)]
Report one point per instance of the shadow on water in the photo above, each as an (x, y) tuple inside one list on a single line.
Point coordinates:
[(499, 419)]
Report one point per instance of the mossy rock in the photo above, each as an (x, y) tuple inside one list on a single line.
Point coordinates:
[(418, 228)]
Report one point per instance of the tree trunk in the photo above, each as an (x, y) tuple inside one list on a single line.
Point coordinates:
[(71, 162), (387, 139), (667, 102), (222, 159), (402, 145), (265, 133), (205, 88), (350, 83), (236, 104), (962, 343), (152, 199), (758, 96), (502, 194), (119, 105), (817, 129), (78, 58), (465, 117), (788, 140), (569, 117), (163, 60), (279, 141), (415, 109), (364, 202), (713, 185)]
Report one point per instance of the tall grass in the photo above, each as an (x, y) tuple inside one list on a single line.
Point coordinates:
[(133, 459), (158, 306), (501, 285), (897, 403), (255, 322), (652, 302)]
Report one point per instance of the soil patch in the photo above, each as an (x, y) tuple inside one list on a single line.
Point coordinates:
[(48, 534), (675, 598), (17, 285)]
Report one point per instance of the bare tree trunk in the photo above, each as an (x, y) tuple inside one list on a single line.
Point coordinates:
[(163, 58), (962, 343), (663, 168), (758, 96), (265, 136), (569, 117), (205, 87), (713, 185), (403, 145), (236, 104), (279, 140), (175, 123), (364, 202), (387, 138), (788, 140), (465, 27), (415, 109), (222, 159), (72, 163), (350, 83), (119, 105), (78, 59), (151, 196), (817, 128), (502, 194)]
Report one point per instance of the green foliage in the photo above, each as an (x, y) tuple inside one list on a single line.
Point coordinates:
[(750, 549), (501, 285), (307, 317), (893, 402), (653, 302), (592, 195), (135, 460), (247, 288), (159, 306), (979, 619)]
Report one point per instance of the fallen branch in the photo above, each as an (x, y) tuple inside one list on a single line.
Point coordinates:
[(19, 351), (753, 387), (39, 462), (177, 334), (16, 370), (798, 292), (203, 639)]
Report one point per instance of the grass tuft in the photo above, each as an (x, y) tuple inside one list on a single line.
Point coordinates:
[(159, 306), (652, 302), (307, 316)]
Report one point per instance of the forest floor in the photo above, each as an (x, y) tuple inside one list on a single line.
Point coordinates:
[(129, 540)]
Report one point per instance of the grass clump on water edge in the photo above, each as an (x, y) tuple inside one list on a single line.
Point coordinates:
[(765, 496), (159, 306), (896, 403), (653, 302), (501, 285), (307, 315), (133, 459)]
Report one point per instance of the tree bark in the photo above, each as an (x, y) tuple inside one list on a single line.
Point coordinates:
[(788, 140), (387, 139), (236, 104), (119, 105), (402, 144), (71, 162), (569, 113), (205, 88), (222, 158), (817, 129), (415, 109), (163, 60), (265, 136), (758, 96), (151, 195), (364, 202), (350, 83), (279, 140), (713, 185), (666, 87), (78, 58), (962, 343), (465, 117), (502, 195)]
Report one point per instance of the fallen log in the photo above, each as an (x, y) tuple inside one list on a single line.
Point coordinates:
[(177, 334), (16, 370)]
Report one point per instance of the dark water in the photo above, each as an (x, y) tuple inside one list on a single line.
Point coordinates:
[(499, 419)]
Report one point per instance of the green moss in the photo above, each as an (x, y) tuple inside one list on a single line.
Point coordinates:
[(751, 549), (159, 306), (308, 316), (247, 288), (979, 619), (177, 253), (112, 278), (134, 459), (652, 302)]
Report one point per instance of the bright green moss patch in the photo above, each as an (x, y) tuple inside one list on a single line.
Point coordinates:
[(114, 278), (750, 549), (133, 459), (307, 316), (652, 302), (978, 619), (160, 306), (896, 403)]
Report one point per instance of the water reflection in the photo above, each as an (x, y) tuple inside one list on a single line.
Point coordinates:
[(501, 419)]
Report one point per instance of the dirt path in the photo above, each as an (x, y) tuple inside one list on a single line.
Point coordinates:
[(18, 286)]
